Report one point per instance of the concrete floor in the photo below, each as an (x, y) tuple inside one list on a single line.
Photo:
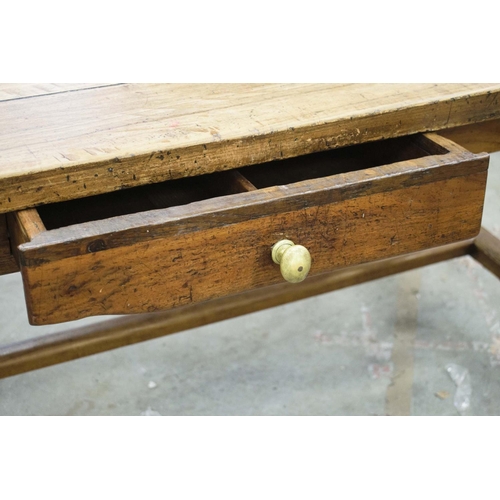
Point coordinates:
[(373, 349)]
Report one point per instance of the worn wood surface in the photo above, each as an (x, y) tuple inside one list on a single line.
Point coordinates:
[(349, 173), (181, 255), (7, 262), (74, 144), (17, 228), (11, 91), (222, 211), (478, 137), (69, 345), (70, 142), (23, 226), (486, 250), (30, 224)]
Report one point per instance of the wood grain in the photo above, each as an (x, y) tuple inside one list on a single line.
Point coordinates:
[(30, 223), (223, 256), (477, 138), (222, 211), (77, 144), (486, 250), (73, 344), (14, 91), (7, 262), (23, 226)]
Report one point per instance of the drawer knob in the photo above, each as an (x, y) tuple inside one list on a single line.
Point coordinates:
[(294, 260)]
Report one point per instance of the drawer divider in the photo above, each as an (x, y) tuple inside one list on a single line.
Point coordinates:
[(240, 183)]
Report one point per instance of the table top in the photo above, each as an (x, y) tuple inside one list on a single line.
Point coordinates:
[(64, 141)]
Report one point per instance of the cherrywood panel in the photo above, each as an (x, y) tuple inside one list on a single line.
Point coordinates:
[(76, 144), (73, 344)]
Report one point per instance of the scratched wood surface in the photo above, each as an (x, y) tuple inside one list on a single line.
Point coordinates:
[(83, 142), (182, 255)]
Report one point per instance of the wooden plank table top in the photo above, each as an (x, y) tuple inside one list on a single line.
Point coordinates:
[(65, 141)]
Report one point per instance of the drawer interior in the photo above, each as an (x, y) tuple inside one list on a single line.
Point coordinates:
[(343, 160), (279, 172), (141, 199)]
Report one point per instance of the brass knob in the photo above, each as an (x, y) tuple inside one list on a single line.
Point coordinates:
[(294, 260)]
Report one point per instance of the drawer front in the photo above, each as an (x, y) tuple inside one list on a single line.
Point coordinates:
[(179, 255)]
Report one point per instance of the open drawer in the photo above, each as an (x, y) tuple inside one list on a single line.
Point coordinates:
[(166, 245)]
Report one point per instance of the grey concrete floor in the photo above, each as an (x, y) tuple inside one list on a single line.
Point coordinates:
[(374, 349)]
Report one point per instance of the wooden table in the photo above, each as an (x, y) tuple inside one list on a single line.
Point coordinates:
[(60, 143)]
